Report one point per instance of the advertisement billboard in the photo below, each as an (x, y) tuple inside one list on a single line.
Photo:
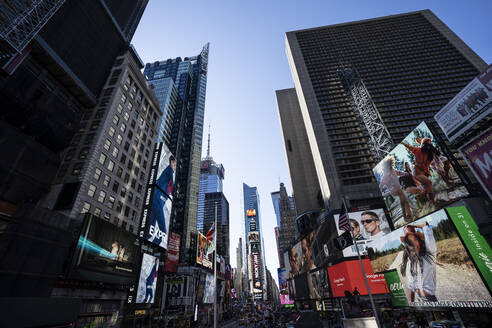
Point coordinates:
[(347, 277), (172, 256), (433, 265), (256, 268), (285, 299), (201, 253), (470, 105), (366, 225), (478, 155), (397, 293), (282, 280), (252, 224), (148, 279), (175, 291), (154, 224), (475, 243), (302, 286), (251, 212), (106, 248), (307, 263), (255, 248), (416, 179), (209, 290), (254, 237), (319, 284), (293, 260), (322, 247)]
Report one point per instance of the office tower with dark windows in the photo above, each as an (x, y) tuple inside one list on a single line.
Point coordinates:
[(105, 169), (182, 131), (406, 68), (215, 203)]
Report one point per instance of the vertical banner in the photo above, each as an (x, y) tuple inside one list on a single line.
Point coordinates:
[(172, 257), (398, 297), (475, 243)]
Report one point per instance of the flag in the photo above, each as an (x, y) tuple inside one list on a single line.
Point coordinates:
[(344, 240), (343, 219), (211, 239)]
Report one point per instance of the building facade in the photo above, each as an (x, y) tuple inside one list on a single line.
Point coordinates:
[(411, 65), (216, 202), (185, 132)]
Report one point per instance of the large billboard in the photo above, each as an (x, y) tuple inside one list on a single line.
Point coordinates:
[(434, 266), (322, 244), (202, 257), (292, 259), (105, 248), (154, 224), (148, 279), (366, 226), (172, 256), (307, 262), (319, 284), (256, 269), (254, 237), (469, 106), (416, 179), (346, 277), (209, 290), (478, 155)]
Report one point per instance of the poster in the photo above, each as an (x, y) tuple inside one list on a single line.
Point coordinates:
[(172, 257), (416, 179), (366, 225), (470, 105), (478, 155), (201, 253), (433, 265), (293, 260), (148, 279), (209, 290)]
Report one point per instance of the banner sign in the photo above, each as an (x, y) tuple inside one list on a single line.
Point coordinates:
[(468, 107), (476, 244), (398, 297), (478, 155)]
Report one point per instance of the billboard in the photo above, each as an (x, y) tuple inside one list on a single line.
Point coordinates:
[(209, 290), (322, 246), (366, 225), (154, 224), (255, 248), (251, 212), (470, 105), (148, 279), (105, 248), (254, 237), (256, 268), (478, 155), (397, 293), (416, 179), (285, 299), (172, 256), (434, 267), (347, 277), (319, 284), (201, 252), (252, 224), (307, 263), (301, 286), (292, 260), (282, 280)]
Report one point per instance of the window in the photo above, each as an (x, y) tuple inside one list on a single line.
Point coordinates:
[(127, 178), (107, 216), (97, 174), (119, 206), (126, 116), (111, 131), (69, 154), (111, 166), (115, 186), (123, 192), (130, 196), (91, 191), (85, 208), (127, 211), (119, 172), (119, 108), (102, 196), (116, 119), (130, 165), (83, 153), (107, 144), (139, 187), (77, 168), (119, 139), (123, 127), (136, 170), (95, 125), (137, 201), (115, 152), (97, 212), (127, 146), (130, 106), (102, 158), (134, 182), (107, 180), (111, 202), (123, 98)]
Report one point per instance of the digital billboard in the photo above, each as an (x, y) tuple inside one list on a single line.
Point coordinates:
[(478, 155), (253, 237), (172, 256), (154, 224), (470, 105), (293, 260), (255, 247), (148, 279), (347, 276), (209, 290), (252, 224), (416, 179), (282, 280), (307, 263), (256, 268), (251, 212), (302, 286), (322, 247), (366, 226), (201, 256), (104, 247), (285, 299), (319, 284), (175, 291), (434, 266)]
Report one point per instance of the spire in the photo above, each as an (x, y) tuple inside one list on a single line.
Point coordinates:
[(208, 146)]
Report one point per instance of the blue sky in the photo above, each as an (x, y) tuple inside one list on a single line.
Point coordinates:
[(247, 63)]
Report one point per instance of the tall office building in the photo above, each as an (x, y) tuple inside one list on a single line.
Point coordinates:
[(408, 65), (285, 211), (185, 131), (255, 257), (105, 169), (216, 203), (211, 176)]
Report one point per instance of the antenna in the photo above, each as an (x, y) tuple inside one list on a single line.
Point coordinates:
[(208, 146)]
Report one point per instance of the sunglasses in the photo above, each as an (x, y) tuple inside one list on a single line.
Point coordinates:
[(366, 221)]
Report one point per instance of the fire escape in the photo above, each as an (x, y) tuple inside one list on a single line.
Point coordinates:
[(380, 140)]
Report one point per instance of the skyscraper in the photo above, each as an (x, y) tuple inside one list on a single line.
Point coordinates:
[(217, 201), (185, 131), (410, 65), (254, 242)]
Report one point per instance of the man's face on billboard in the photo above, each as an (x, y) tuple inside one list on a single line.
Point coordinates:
[(371, 224), (355, 230), (173, 165), (294, 266)]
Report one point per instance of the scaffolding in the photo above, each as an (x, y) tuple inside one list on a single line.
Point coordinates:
[(380, 140), (21, 20)]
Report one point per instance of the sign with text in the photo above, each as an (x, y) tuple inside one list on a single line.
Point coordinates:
[(398, 297)]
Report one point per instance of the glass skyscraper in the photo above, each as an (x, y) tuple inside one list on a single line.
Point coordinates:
[(211, 176), (182, 130)]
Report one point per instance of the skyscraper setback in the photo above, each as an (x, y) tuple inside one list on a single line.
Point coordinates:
[(182, 131), (408, 65)]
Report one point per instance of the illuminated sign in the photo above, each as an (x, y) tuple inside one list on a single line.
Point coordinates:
[(251, 212)]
